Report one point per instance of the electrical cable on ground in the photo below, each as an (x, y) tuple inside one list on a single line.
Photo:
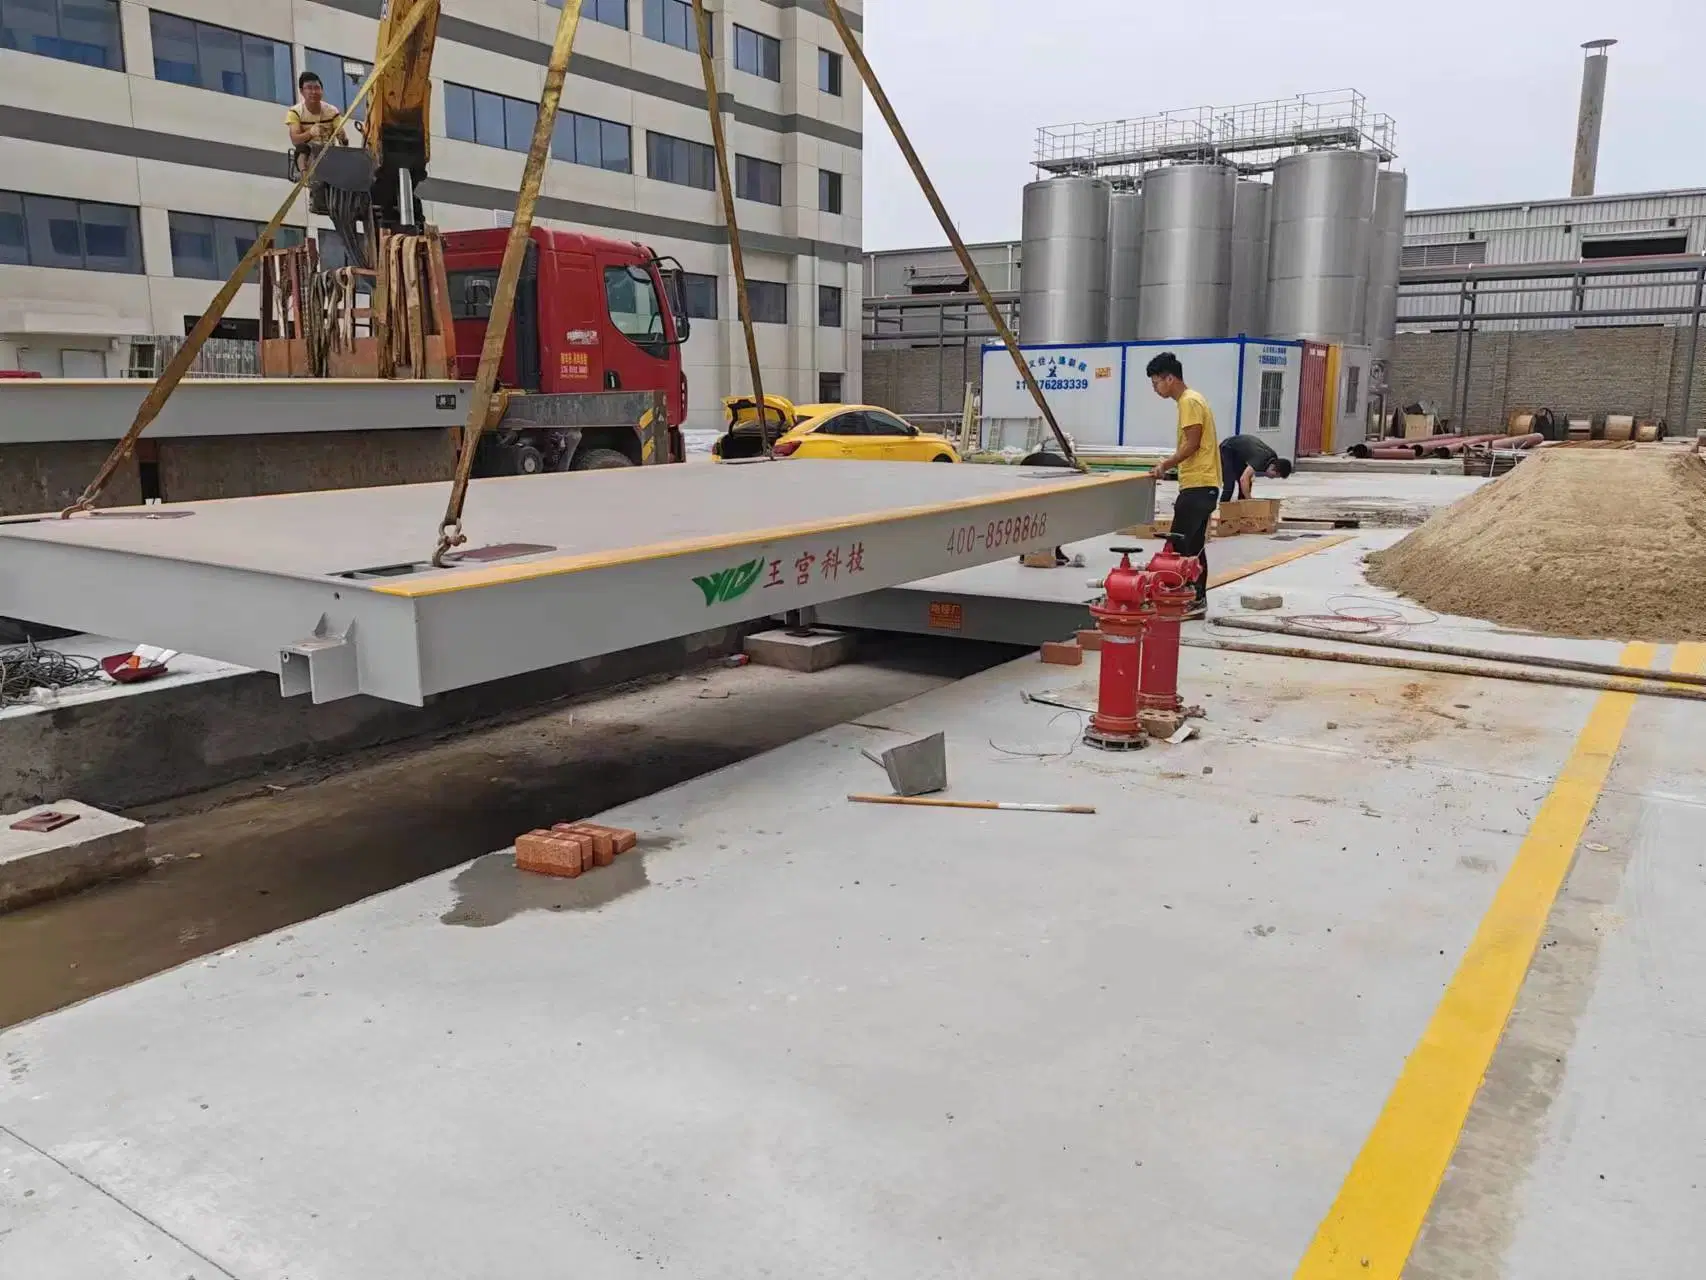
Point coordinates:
[(26, 668)]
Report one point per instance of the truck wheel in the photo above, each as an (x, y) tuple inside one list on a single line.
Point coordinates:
[(941, 457), (601, 460), (525, 460)]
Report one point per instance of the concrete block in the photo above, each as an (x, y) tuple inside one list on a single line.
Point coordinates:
[(1261, 601), (38, 865), (1090, 641), (1063, 653), (816, 652)]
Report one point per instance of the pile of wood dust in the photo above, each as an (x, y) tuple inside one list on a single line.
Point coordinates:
[(1595, 543)]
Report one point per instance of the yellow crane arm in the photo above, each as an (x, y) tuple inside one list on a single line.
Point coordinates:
[(399, 121)]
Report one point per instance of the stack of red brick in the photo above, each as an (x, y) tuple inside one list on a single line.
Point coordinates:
[(1070, 653), (571, 848)]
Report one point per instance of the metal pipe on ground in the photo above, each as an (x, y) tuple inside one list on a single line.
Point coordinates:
[(1643, 688), (1280, 628)]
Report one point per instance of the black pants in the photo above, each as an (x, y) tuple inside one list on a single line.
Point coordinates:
[(1191, 514)]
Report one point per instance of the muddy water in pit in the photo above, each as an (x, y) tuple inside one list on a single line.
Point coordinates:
[(250, 860)]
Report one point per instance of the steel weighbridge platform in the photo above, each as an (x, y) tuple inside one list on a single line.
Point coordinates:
[(336, 591)]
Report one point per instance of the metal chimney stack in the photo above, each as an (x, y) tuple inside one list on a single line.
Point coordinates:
[(1592, 113)]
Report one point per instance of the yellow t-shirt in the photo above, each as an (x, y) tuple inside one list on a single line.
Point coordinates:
[(301, 115), (1202, 469)]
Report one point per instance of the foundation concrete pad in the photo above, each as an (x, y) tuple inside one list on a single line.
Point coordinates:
[(816, 652), (37, 865)]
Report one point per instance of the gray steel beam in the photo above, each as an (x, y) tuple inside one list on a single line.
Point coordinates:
[(329, 589)]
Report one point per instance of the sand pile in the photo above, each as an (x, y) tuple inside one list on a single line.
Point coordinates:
[(1597, 543)]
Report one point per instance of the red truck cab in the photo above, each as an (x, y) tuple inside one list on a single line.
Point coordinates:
[(591, 315)]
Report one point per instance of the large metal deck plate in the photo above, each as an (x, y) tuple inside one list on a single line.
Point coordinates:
[(333, 590)]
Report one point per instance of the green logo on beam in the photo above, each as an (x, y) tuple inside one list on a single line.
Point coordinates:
[(729, 585)]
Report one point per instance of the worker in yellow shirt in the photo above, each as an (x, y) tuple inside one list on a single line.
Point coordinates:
[(312, 121), (1197, 457)]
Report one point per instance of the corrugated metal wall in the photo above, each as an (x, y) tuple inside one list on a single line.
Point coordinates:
[(1555, 231)]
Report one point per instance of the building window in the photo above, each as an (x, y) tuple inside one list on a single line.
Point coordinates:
[(76, 235), (218, 58), (829, 72), (207, 248), (1467, 253), (758, 54), (1353, 389), (671, 22), (1273, 390), (759, 180), (829, 311), (612, 13), (342, 77), (769, 301), (687, 164), (829, 388), (85, 31), (828, 191), (700, 295), (599, 144), (489, 119)]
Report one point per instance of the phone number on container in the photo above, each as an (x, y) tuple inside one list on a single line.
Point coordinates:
[(1013, 531)]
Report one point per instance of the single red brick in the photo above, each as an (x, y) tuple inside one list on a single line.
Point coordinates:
[(1090, 641), (625, 840), (603, 841), (1062, 653), (549, 853)]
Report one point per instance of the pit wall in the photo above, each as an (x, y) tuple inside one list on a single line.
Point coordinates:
[(49, 477), (151, 746)]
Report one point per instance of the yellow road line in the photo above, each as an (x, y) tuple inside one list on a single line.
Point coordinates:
[(1689, 660), (1274, 562), (496, 575), (1373, 1224)]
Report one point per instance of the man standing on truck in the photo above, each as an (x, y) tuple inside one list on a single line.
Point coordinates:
[(1197, 457), (1242, 459), (311, 120)]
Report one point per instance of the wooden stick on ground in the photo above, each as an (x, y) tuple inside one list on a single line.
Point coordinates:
[(930, 803)]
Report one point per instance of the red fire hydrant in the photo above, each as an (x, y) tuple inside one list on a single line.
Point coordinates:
[(1171, 592), (1122, 619)]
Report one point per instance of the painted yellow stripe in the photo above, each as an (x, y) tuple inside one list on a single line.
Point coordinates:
[(1372, 1226), (1274, 562), (1689, 660), (527, 571)]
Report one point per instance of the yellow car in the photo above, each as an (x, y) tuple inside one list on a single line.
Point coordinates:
[(860, 431)]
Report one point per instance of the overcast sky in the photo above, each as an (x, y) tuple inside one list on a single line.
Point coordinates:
[(1484, 92)]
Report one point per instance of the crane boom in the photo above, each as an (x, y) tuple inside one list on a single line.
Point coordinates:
[(399, 121)]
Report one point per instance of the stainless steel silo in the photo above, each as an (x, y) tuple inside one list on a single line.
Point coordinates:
[(1250, 210), (1186, 289), (1063, 294), (1385, 253), (1318, 243), (1125, 263)]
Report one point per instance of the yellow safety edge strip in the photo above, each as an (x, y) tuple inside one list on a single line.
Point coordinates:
[(498, 575), (1373, 1224)]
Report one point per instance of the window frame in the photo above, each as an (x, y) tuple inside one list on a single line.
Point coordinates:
[(229, 239), (281, 54), (113, 58), (756, 289), (340, 77), (707, 286), (831, 183), (831, 77), (753, 174), (825, 294), (569, 124), (667, 14), (597, 9), (35, 214), (487, 110), (666, 143), (1268, 415), (756, 53)]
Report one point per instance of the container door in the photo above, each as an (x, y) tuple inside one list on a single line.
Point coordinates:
[(1312, 400)]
